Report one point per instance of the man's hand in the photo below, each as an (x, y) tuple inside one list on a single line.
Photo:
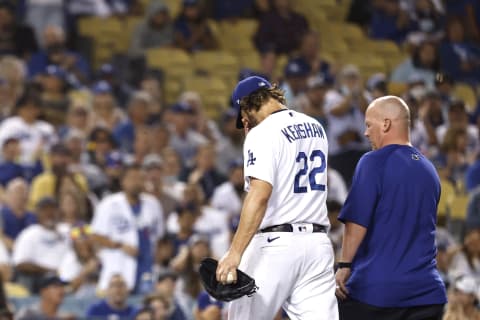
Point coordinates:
[(341, 278), (228, 264)]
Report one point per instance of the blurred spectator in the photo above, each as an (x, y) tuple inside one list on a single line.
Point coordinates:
[(58, 178), (186, 216), (73, 211), (444, 85), (54, 95), (424, 62), (463, 300), (389, 21), (120, 88), (153, 166), (52, 293), (377, 86), (468, 11), (296, 74), (106, 113), (35, 135), (452, 161), (124, 132), (466, 258), (345, 108), (458, 118), (79, 267), (204, 171), (229, 147), (207, 220), (78, 120), (141, 146), (311, 55), (312, 102), (55, 52), (201, 123), (186, 264), (472, 220), (159, 138), (425, 117), (115, 302), (183, 138), (208, 308), (127, 225), (15, 38), (160, 305), (14, 215), (9, 168), (144, 314), (192, 31), (426, 22), (104, 171), (164, 252), (227, 197), (39, 248), (173, 167), (281, 28), (459, 57), (165, 286), (150, 83), (156, 30), (40, 14), (12, 83)]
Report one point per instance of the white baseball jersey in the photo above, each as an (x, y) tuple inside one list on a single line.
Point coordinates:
[(41, 246), (289, 151), (293, 270), (114, 219)]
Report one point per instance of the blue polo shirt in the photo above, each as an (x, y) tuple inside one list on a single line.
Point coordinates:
[(102, 311), (13, 225), (394, 194)]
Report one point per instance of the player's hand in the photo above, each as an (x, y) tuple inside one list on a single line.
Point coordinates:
[(228, 264), (341, 278)]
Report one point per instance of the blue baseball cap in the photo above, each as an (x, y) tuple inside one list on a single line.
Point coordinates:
[(55, 71), (101, 87), (182, 107), (297, 68), (244, 88)]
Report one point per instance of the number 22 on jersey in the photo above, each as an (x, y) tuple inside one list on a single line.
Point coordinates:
[(305, 163)]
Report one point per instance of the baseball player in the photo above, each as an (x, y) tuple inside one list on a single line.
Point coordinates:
[(281, 240)]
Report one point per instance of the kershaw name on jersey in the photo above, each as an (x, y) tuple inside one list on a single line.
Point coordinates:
[(303, 131)]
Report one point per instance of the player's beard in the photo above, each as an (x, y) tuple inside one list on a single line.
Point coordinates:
[(252, 122)]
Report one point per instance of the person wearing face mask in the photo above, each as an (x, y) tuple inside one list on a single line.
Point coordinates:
[(56, 53)]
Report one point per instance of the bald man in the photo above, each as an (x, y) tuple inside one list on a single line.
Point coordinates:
[(388, 267)]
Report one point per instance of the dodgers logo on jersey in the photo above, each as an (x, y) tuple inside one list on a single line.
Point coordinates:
[(251, 160)]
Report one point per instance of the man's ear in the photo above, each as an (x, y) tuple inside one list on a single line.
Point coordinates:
[(387, 124)]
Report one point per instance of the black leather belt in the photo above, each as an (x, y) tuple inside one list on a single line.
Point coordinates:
[(289, 228)]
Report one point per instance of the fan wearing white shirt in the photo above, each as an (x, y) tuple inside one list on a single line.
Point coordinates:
[(228, 196), (127, 225), (34, 135), (39, 248)]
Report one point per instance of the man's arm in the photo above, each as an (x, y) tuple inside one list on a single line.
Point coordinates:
[(30, 268), (106, 242), (253, 211), (352, 238)]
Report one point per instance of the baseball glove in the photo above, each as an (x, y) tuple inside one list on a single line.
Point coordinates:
[(245, 284)]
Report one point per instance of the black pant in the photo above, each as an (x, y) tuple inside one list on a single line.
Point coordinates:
[(354, 310)]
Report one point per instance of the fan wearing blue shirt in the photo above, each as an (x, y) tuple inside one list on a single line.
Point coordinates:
[(388, 268), (115, 302)]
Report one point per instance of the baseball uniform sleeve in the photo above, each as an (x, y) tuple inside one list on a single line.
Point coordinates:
[(258, 158), (364, 193)]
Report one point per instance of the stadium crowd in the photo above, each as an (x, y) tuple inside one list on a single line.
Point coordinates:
[(110, 197)]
